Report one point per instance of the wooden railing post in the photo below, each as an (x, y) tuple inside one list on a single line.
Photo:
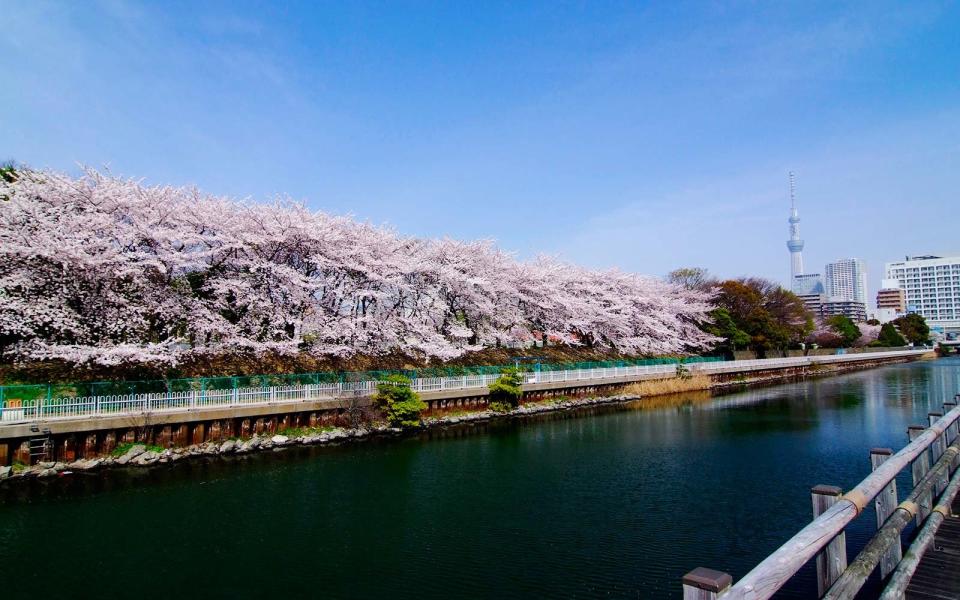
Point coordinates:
[(919, 468), (953, 431), (885, 503), (937, 448), (939, 445), (832, 560), (705, 584)]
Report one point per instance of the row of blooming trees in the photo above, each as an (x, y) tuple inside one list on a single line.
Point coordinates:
[(98, 269)]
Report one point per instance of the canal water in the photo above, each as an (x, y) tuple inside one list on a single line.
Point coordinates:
[(607, 503)]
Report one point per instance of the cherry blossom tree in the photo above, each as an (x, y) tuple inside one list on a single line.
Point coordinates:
[(107, 270)]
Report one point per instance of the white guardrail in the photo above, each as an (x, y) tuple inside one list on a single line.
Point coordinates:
[(136, 404)]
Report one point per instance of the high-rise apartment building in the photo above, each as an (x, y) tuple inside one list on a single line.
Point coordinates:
[(931, 285), (846, 279)]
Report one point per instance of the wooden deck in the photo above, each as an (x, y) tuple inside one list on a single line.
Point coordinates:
[(938, 575)]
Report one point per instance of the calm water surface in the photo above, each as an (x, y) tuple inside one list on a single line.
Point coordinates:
[(613, 503)]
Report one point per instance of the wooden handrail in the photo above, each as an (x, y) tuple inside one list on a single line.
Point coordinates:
[(901, 577), (888, 536), (774, 571)]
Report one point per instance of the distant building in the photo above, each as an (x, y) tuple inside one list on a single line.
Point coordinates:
[(807, 285), (846, 280), (812, 302), (892, 296), (931, 286), (855, 311)]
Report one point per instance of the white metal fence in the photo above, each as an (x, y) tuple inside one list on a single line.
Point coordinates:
[(12, 411)]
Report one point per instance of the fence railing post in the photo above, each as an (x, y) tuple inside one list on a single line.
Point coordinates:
[(953, 431), (705, 584), (885, 503), (919, 468), (937, 448), (832, 560)]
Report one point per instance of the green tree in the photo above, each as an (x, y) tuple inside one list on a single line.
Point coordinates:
[(8, 171), (913, 327), (505, 392), (401, 405), (723, 326), (771, 316), (845, 328), (890, 337)]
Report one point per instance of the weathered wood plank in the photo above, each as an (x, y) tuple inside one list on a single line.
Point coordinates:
[(924, 540), (885, 503), (832, 561), (705, 584), (769, 576), (919, 468)]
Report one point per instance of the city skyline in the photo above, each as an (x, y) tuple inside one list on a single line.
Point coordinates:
[(641, 138)]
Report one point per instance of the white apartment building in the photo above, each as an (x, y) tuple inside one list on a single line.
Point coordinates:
[(932, 287), (846, 280)]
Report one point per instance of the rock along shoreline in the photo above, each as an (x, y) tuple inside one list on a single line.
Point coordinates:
[(141, 455)]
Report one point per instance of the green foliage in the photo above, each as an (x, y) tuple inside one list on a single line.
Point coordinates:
[(723, 326), (401, 405), (758, 314), (890, 337), (123, 448), (8, 173), (506, 389), (845, 328), (914, 328), (500, 407)]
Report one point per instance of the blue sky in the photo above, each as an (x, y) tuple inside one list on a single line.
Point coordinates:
[(640, 135)]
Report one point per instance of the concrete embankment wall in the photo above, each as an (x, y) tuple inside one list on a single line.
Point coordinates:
[(69, 439)]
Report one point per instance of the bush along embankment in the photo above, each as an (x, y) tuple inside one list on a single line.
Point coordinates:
[(399, 403), (505, 391)]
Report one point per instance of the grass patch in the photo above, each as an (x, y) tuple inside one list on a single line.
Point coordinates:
[(675, 385), (292, 432), (123, 448), (295, 432)]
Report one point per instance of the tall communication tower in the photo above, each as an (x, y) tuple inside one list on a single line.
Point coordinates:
[(794, 244)]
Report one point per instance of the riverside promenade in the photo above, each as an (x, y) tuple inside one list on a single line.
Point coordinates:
[(77, 427)]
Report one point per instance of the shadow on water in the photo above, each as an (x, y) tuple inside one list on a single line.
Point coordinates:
[(606, 501)]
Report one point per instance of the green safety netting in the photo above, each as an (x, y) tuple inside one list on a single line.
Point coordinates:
[(30, 393)]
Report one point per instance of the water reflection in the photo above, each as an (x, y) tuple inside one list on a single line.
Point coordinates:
[(613, 501)]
